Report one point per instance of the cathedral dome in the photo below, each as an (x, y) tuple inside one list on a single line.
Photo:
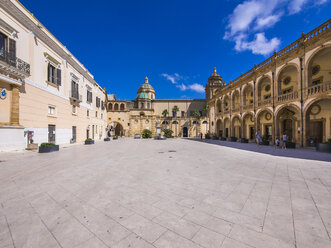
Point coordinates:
[(146, 85), (142, 95)]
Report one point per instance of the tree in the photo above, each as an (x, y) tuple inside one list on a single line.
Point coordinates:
[(147, 134), (197, 115), (175, 109), (165, 113), (206, 109)]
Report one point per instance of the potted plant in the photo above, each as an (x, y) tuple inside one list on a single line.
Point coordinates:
[(48, 147), (243, 140), (215, 137), (207, 136), (233, 139), (147, 134), (324, 147), (265, 140), (89, 141), (290, 144), (223, 138), (106, 139)]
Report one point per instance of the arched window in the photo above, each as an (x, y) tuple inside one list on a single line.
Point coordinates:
[(110, 106), (165, 123), (116, 106), (175, 122), (122, 106)]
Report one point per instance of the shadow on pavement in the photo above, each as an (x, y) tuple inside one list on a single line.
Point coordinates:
[(303, 153)]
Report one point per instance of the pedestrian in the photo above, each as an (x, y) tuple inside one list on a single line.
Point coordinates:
[(284, 140), (277, 142), (258, 137), (201, 135)]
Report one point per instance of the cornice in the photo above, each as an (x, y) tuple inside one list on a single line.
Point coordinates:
[(24, 20)]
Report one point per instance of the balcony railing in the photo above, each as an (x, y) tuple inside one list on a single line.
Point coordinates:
[(263, 102), (317, 89), (248, 106), (75, 94), (288, 97), (226, 112), (15, 62), (237, 109)]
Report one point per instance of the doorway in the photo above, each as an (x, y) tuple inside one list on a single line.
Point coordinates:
[(185, 132), (287, 128), (51, 133), (316, 131), (74, 134), (251, 132)]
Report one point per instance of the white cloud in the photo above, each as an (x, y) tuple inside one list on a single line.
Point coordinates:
[(172, 78), (196, 87), (251, 17)]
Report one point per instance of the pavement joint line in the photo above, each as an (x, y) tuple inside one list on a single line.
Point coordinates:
[(293, 221)]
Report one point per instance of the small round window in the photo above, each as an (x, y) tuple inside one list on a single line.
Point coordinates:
[(287, 80), (267, 88), (316, 69)]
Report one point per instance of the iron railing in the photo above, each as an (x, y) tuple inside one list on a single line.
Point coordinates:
[(12, 60)]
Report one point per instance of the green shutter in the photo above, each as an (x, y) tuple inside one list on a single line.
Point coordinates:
[(12, 52), (58, 76)]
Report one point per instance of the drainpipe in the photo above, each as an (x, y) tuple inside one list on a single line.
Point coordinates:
[(301, 101), (273, 109)]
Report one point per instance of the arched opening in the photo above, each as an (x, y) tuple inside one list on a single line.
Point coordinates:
[(264, 124), (219, 128), (110, 106), (248, 96), (248, 125), (318, 124), (122, 107), (116, 106), (227, 127), (288, 83), (236, 127), (288, 122), (185, 132), (235, 101), (118, 129), (319, 68), (264, 91), (226, 104), (219, 106)]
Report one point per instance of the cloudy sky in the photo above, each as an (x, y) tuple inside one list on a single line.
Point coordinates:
[(176, 43)]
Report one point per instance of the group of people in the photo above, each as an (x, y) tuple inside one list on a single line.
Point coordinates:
[(259, 140)]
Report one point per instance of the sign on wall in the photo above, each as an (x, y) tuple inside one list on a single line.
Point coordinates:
[(3, 94)]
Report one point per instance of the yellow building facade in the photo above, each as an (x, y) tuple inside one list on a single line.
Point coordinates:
[(47, 95), (290, 93)]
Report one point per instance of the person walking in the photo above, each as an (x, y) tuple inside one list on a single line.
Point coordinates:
[(258, 137), (284, 140)]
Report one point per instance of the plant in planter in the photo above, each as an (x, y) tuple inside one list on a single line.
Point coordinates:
[(290, 144), (265, 140), (243, 140), (324, 147), (207, 136), (115, 137), (233, 139), (89, 141), (223, 138), (48, 147), (214, 137), (168, 133), (106, 139), (147, 134)]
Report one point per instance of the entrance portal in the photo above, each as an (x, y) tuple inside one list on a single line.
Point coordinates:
[(119, 130), (316, 131), (287, 128), (185, 132)]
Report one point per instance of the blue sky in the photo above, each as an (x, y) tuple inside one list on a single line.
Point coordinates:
[(176, 43)]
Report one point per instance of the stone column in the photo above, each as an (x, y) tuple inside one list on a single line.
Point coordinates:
[(15, 106)]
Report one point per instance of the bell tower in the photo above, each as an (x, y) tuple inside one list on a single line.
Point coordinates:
[(215, 82)]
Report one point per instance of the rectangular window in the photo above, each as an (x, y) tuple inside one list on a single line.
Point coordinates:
[(89, 96), (101, 116), (173, 113), (96, 113), (51, 110), (74, 90), (88, 113), (53, 74), (183, 114), (3, 42), (74, 109)]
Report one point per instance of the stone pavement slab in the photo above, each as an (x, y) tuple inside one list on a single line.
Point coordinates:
[(171, 193)]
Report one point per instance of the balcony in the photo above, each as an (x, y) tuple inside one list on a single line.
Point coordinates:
[(318, 89), (288, 96), (236, 109), (248, 106), (74, 96), (14, 66), (263, 102)]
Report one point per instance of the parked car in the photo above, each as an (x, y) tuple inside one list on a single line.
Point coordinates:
[(159, 137), (137, 136)]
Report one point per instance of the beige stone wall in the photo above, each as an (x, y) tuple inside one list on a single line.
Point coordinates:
[(5, 104)]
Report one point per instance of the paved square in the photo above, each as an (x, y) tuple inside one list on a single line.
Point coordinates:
[(164, 194)]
